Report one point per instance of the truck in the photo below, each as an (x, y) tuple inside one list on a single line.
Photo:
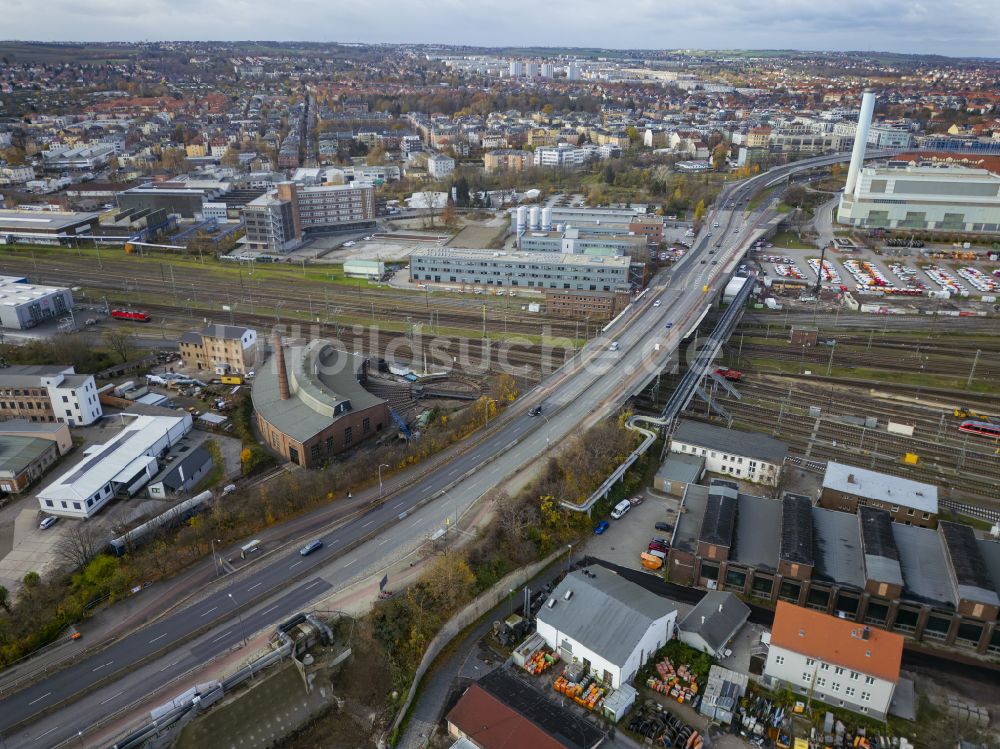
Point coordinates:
[(650, 561), (232, 379)]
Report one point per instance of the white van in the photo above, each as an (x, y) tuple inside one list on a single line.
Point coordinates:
[(620, 509)]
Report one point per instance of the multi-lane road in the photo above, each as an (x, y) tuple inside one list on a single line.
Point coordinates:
[(594, 383)]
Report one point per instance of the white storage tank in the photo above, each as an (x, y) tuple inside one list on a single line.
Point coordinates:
[(522, 219), (547, 218), (535, 220)]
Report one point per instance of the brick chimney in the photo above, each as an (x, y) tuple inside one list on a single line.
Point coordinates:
[(279, 362)]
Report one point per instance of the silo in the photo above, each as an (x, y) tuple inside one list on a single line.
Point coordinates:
[(536, 218), (547, 218), (522, 219)]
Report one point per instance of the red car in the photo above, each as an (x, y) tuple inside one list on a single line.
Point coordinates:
[(730, 374), (658, 544)]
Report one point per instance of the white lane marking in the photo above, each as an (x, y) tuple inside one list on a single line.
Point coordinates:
[(40, 698), (270, 609), (255, 585), (104, 702), (158, 637), (398, 505), (210, 611), (296, 564), (350, 563), (42, 735), (314, 582), (224, 634), (103, 665), (169, 665), (368, 523)]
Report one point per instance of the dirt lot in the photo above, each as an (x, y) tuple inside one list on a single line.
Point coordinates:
[(480, 235)]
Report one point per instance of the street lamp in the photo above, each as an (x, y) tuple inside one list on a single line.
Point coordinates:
[(380, 467), (215, 559), (239, 614), (569, 558)]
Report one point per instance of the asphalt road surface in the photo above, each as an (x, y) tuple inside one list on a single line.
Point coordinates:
[(590, 386)]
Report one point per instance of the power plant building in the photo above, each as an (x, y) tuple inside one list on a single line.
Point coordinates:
[(916, 197)]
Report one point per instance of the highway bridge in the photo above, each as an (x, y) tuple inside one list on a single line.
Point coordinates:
[(63, 706)]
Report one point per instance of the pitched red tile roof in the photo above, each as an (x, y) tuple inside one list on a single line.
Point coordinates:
[(837, 641)]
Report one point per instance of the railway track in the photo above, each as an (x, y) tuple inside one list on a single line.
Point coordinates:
[(965, 466)]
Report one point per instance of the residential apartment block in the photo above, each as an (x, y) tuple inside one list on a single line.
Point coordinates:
[(48, 393), (507, 160), (838, 662), (220, 348)]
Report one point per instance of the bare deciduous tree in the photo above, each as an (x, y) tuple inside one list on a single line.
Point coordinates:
[(122, 342), (79, 544)]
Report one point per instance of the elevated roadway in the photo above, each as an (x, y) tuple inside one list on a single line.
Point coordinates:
[(592, 385)]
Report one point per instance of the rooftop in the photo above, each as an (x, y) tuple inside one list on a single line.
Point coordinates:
[(879, 546), (43, 220), (732, 441), (861, 482), (719, 521), (723, 615), (606, 613), (758, 531), (796, 529), (538, 258), (838, 548), (119, 456), (17, 453), (867, 650), (323, 383), (971, 573)]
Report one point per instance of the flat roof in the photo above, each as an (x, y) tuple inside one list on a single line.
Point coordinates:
[(971, 572), (682, 467), (879, 545), (541, 258), (719, 520), (43, 220), (796, 529), (862, 482), (924, 564), (688, 527), (732, 441)]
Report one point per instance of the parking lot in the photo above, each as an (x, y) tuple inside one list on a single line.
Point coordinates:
[(629, 536)]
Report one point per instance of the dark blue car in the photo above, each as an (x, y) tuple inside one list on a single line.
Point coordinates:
[(601, 527)]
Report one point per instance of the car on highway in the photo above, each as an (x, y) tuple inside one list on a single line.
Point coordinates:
[(669, 325), (656, 303), (703, 262), (601, 527), (715, 225), (310, 547), (535, 410), (614, 346), (349, 244), (47, 522), (665, 527), (620, 509)]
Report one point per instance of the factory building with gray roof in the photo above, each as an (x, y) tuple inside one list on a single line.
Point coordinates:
[(932, 584)]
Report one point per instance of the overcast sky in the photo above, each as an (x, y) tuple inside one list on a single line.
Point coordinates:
[(949, 27)]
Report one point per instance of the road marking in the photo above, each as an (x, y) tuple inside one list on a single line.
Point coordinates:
[(296, 564), (103, 702), (43, 735), (255, 585), (210, 611), (350, 563), (398, 505), (159, 637), (169, 665), (368, 523), (383, 541), (270, 609), (314, 582), (224, 634), (102, 666), (40, 698)]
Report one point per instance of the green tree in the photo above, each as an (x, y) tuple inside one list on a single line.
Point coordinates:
[(719, 156), (699, 210), (4, 599), (31, 579)]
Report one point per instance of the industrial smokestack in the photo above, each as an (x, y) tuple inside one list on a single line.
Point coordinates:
[(860, 140), (279, 362)]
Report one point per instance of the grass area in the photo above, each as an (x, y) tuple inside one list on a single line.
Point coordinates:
[(760, 198), (790, 240)]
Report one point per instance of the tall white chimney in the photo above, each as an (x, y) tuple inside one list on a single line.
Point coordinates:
[(860, 140)]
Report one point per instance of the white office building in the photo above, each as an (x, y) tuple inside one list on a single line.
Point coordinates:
[(118, 468), (564, 156), (744, 455), (48, 393), (610, 625), (935, 198)]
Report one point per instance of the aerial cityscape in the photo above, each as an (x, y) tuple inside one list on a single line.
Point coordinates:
[(459, 389)]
